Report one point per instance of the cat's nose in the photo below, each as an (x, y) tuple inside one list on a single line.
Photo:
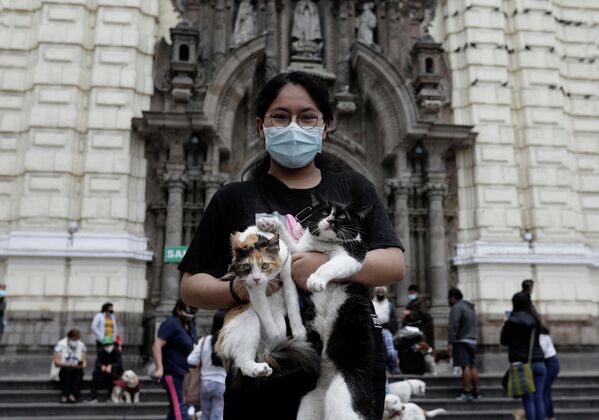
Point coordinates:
[(257, 280)]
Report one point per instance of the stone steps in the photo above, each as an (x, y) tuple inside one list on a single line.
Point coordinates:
[(576, 396)]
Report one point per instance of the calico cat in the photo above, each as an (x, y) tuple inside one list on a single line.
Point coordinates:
[(259, 328), (341, 323)]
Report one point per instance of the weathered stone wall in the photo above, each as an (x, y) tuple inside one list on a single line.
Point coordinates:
[(525, 74), (72, 76)]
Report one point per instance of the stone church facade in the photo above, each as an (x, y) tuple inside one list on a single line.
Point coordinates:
[(475, 119)]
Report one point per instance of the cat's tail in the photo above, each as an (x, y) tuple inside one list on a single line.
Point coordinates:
[(290, 356), (295, 365)]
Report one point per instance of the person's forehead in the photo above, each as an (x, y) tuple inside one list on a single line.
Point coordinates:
[(293, 97)]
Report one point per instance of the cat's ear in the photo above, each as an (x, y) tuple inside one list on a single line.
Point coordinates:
[(316, 199), (273, 244), (363, 212), (235, 244)]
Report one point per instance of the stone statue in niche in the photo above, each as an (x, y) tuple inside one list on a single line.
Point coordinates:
[(306, 37), (245, 24), (365, 24)]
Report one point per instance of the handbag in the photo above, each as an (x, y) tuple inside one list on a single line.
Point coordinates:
[(520, 379), (192, 382)]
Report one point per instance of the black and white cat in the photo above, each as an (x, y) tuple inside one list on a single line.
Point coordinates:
[(341, 322)]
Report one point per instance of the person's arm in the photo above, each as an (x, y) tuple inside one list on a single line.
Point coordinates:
[(381, 267), (159, 343), (506, 334), (195, 356), (58, 362), (454, 322), (204, 291), (97, 321)]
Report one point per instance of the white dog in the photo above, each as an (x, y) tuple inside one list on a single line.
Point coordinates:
[(405, 389), (126, 389), (396, 410)]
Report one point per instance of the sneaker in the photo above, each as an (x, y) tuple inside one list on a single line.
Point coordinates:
[(63, 399), (476, 396), (92, 400), (464, 397)]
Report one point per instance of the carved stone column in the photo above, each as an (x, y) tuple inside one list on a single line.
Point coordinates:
[(175, 181), (438, 261), (401, 220)]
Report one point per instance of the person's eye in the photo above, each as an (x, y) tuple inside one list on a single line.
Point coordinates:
[(308, 117), (279, 117), (265, 266)]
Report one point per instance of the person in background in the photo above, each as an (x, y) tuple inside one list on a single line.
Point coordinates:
[(104, 325), (392, 359), (109, 367), (461, 336), (516, 333), (552, 366), (2, 308), (70, 356), (172, 345), (385, 309), (213, 373), (416, 314), (527, 286)]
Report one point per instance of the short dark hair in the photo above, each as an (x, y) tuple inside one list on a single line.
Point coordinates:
[(455, 293), (181, 306), (414, 288), (106, 306), (527, 284), (74, 333)]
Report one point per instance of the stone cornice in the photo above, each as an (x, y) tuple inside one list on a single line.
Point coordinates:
[(480, 252), (81, 245)]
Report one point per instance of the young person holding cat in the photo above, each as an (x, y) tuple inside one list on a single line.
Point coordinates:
[(293, 117)]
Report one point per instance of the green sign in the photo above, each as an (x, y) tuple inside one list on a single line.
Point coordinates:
[(174, 254)]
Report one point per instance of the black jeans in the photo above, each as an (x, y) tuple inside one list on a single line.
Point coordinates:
[(70, 381), (101, 380)]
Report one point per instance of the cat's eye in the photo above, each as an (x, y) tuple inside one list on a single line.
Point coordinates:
[(324, 213), (342, 216), (265, 265), (246, 266)]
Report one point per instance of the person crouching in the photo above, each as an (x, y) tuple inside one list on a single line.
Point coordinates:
[(109, 367)]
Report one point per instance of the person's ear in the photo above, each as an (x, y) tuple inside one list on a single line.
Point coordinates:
[(260, 128), (327, 125)]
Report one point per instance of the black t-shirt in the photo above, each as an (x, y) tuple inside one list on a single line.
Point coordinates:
[(237, 206)]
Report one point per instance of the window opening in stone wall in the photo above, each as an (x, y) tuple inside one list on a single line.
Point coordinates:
[(429, 66), (184, 52)]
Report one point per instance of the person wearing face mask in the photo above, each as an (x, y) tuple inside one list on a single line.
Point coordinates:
[(173, 343), (70, 360), (416, 314), (385, 309), (109, 367), (293, 119), (104, 325)]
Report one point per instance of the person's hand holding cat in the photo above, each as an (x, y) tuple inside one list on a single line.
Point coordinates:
[(303, 264)]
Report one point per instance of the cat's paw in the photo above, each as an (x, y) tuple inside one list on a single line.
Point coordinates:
[(268, 224), (300, 333), (316, 283), (255, 370)]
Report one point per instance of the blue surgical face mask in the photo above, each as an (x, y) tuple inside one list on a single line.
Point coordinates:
[(412, 297), (292, 146)]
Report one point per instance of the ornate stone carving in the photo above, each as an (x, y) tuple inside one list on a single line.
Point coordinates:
[(245, 24), (365, 24)]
